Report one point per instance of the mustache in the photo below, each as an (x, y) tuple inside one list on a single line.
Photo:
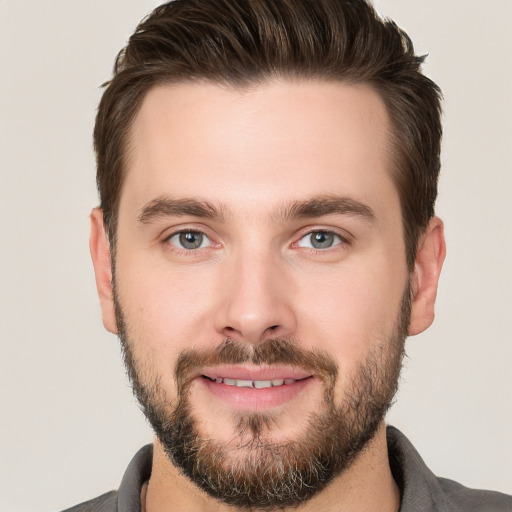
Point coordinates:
[(274, 351)]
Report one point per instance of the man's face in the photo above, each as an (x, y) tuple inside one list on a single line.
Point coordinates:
[(260, 274)]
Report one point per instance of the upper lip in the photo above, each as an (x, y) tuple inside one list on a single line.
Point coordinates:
[(254, 373)]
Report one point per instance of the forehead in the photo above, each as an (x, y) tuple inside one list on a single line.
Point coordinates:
[(276, 141)]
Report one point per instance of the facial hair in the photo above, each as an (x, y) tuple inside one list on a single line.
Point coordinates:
[(253, 471)]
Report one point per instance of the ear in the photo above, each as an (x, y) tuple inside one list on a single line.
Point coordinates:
[(427, 268), (100, 254)]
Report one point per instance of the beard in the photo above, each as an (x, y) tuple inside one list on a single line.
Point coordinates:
[(253, 471)]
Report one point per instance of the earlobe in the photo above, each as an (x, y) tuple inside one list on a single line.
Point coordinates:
[(100, 254), (427, 268)]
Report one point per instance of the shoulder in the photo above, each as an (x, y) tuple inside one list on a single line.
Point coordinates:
[(105, 503), (127, 498), (463, 499), (422, 490)]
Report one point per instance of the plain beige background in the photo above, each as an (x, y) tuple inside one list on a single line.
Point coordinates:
[(68, 422)]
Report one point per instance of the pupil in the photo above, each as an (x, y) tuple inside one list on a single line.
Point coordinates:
[(321, 240), (191, 240)]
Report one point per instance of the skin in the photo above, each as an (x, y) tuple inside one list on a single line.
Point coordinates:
[(248, 153)]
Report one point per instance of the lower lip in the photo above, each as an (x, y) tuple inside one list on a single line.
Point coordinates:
[(250, 399)]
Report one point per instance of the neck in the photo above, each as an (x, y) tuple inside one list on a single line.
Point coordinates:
[(367, 485)]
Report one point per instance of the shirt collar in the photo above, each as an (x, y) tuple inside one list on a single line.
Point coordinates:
[(419, 487), (138, 472)]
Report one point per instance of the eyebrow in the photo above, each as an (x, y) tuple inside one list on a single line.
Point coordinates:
[(317, 206), (330, 204), (171, 207)]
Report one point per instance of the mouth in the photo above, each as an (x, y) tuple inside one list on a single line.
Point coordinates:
[(254, 384), (255, 389)]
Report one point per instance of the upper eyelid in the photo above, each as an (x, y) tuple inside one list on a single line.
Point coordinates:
[(322, 231), (180, 231), (342, 233), (170, 232)]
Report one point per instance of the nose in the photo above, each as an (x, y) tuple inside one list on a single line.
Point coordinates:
[(256, 300)]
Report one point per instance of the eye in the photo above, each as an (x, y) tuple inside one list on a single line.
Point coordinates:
[(189, 240), (320, 240)]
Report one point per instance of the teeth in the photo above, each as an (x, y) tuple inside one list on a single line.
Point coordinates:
[(244, 383), (257, 384), (260, 384)]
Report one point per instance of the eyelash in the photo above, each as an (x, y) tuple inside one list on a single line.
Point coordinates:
[(184, 251), (342, 241)]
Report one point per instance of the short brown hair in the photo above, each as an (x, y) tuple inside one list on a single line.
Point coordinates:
[(244, 42)]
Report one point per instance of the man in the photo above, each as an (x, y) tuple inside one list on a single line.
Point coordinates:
[(265, 242)]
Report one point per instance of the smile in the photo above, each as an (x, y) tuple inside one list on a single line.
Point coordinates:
[(252, 389), (254, 384)]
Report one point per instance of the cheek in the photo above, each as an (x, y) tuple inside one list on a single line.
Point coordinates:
[(350, 312), (165, 313), (159, 293)]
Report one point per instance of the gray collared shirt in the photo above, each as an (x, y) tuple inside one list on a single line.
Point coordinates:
[(420, 489)]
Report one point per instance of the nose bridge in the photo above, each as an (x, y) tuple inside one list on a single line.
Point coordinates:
[(256, 304)]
